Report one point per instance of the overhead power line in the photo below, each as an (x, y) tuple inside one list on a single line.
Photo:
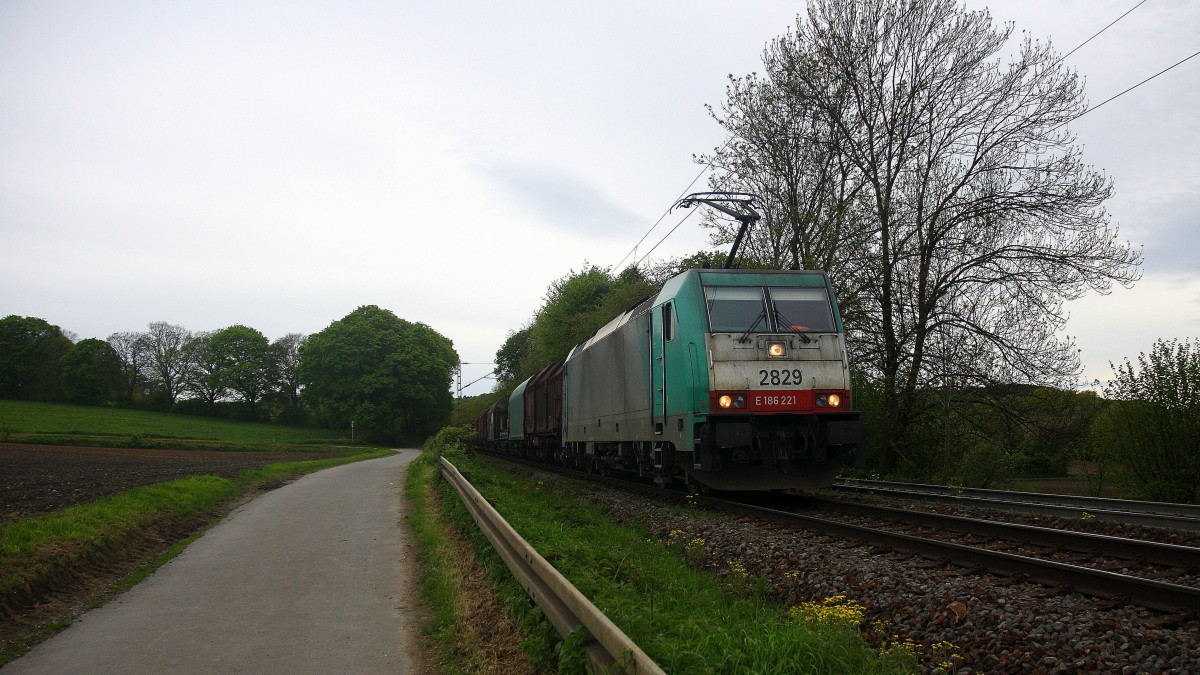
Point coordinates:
[(719, 186), (1114, 21), (1113, 98)]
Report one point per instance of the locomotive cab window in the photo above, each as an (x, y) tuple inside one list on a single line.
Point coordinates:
[(735, 309), (668, 320), (802, 310)]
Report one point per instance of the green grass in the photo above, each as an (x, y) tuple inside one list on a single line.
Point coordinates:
[(686, 620), (54, 423), (438, 581)]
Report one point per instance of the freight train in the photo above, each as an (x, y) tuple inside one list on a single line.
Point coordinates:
[(727, 379)]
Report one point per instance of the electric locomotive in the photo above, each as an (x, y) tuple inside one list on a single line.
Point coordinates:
[(729, 379)]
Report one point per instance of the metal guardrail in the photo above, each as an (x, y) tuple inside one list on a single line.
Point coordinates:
[(610, 650)]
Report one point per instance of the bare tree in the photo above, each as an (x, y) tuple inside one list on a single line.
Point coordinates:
[(980, 217), (778, 149), (134, 351), (169, 364)]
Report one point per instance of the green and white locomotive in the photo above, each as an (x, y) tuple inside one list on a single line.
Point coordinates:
[(737, 380)]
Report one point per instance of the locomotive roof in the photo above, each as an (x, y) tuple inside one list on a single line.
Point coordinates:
[(708, 277)]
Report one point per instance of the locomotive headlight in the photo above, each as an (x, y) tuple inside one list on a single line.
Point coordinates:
[(829, 400), (776, 349), (735, 401)]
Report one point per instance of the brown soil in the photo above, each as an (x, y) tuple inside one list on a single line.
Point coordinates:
[(37, 479)]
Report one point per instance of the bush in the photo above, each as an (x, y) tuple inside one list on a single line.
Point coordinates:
[(452, 441), (1154, 425)]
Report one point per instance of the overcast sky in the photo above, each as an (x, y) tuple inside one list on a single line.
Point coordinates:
[(278, 164)]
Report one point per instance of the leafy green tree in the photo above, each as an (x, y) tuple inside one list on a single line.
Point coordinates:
[(31, 352), (243, 358), (387, 375), (574, 307), (512, 357), (91, 373), (1154, 424), (560, 323), (205, 378)]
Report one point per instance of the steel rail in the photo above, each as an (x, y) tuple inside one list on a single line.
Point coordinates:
[(1154, 514), (1146, 592), (1120, 547), (610, 650)]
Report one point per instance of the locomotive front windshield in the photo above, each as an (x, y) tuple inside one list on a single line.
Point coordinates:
[(734, 308), (737, 309), (805, 310)]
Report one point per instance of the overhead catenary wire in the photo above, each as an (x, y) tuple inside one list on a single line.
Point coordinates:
[(633, 250), (719, 186), (1097, 33), (1117, 96)]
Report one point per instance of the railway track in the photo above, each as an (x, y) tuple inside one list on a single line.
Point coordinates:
[(1152, 514), (1152, 593), (1137, 590)]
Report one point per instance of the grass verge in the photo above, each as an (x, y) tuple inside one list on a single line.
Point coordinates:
[(49, 555), (686, 620), (470, 627)]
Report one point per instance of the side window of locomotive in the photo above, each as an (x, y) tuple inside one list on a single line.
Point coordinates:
[(803, 309), (735, 309), (668, 322)]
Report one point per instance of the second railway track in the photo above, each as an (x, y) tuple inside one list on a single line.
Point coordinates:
[(1151, 514), (1153, 593)]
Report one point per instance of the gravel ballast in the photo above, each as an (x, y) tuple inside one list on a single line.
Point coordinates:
[(955, 620)]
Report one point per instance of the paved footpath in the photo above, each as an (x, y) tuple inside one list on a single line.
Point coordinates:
[(313, 577)]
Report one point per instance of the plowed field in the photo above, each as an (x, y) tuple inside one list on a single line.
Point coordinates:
[(37, 479)]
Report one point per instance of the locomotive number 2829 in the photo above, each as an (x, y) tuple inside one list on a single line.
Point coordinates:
[(778, 377)]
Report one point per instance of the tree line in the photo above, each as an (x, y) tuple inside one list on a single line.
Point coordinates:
[(388, 376)]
